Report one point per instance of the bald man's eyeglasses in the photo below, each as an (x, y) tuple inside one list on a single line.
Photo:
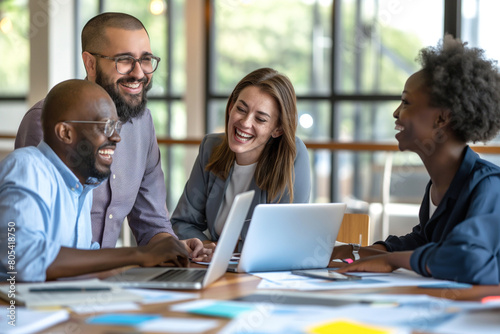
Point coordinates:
[(109, 128), (126, 64)]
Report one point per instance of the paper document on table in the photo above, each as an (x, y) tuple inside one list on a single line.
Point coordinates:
[(400, 277), (105, 308), (178, 325), (422, 315), (396, 313), (275, 318), (151, 296), (26, 321), (65, 293), (479, 321)]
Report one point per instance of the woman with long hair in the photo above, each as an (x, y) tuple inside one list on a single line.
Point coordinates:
[(258, 151)]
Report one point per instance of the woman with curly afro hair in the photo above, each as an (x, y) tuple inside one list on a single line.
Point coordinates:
[(453, 100)]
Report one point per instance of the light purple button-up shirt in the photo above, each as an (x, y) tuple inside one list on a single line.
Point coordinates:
[(135, 188)]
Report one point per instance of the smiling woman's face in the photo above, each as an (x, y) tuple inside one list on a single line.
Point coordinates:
[(415, 117), (253, 119)]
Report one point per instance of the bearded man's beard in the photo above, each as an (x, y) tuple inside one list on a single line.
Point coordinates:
[(126, 112)]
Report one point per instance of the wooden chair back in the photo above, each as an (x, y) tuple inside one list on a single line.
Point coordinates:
[(355, 227)]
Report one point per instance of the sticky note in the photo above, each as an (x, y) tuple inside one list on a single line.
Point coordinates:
[(348, 327), (122, 319), (223, 309)]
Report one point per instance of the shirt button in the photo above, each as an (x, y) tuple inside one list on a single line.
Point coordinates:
[(110, 216), (77, 186), (114, 176), (72, 189)]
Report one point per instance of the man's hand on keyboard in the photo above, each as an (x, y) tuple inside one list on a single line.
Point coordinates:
[(163, 249)]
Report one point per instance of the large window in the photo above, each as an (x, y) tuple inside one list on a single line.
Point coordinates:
[(348, 61), (14, 67), (480, 25), (14, 43), (479, 28)]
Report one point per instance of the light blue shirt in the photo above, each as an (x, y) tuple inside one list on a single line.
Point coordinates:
[(135, 191), (43, 207)]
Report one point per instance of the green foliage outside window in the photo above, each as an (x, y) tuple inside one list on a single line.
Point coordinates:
[(14, 46)]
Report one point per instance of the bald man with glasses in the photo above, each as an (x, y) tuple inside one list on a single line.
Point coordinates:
[(117, 55), (46, 193)]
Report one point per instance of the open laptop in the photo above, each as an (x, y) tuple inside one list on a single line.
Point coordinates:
[(290, 237), (193, 278)]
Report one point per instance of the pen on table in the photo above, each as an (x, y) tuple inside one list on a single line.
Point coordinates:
[(70, 289)]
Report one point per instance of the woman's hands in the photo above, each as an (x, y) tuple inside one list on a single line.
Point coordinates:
[(383, 263), (199, 251)]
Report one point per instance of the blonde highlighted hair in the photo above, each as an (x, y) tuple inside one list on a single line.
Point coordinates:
[(275, 167)]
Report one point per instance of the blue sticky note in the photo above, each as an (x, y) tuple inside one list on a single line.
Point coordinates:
[(122, 319), (223, 309)]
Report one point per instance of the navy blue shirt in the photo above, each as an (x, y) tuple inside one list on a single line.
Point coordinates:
[(461, 241)]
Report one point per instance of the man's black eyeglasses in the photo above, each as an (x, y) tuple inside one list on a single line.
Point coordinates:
[(126, 64)]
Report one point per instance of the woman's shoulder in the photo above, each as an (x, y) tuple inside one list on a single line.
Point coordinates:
[(300, 148), (209, 142), (483, 175), (212, 139), (481, 167), (299, 144), (299, 141), (485, 170)]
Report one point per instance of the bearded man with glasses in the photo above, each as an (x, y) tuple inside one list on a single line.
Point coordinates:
[(117, 55)]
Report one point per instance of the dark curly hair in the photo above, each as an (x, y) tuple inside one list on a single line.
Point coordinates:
[(462, 80)]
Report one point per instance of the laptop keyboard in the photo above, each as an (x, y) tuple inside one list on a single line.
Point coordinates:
[(180, 275)]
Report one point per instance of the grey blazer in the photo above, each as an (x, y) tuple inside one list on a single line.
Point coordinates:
[(199, 204)]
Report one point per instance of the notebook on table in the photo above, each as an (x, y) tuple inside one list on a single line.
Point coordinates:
[(290, 237), (193, 278)]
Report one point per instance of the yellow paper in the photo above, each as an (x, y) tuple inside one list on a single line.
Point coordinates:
[(348, 327)]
